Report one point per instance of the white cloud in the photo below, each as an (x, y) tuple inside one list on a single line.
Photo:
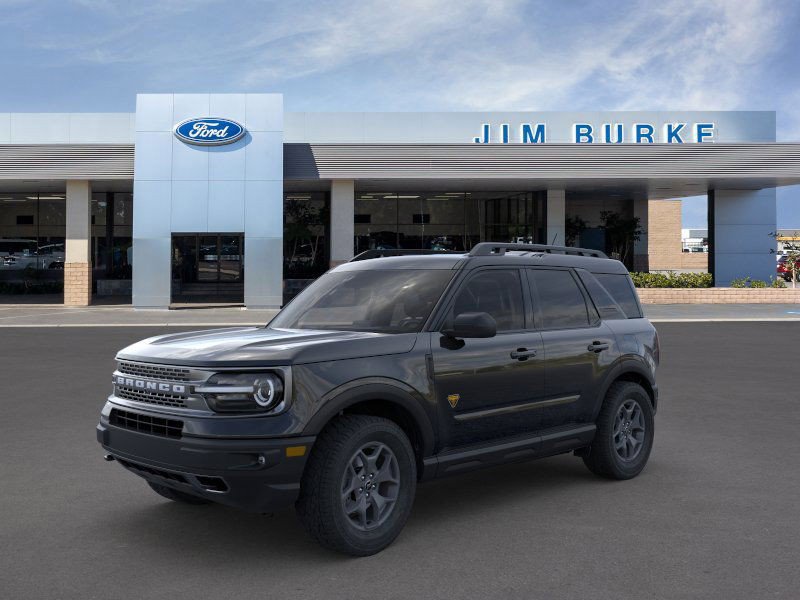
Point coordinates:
[(690, 55), (345, 33)]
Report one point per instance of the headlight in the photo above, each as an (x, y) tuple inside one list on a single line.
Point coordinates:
[(242, 392)]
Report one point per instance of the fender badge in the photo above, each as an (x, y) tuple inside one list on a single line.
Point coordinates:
[(453, 399)]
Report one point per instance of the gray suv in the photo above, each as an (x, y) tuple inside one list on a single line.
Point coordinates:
[(389, 371)]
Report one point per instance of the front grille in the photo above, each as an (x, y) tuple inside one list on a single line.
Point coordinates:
[(171, 428), (154, 371), (145, 470), (151, 397)]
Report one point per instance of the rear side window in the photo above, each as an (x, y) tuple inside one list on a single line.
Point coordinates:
[(621, 290), (605, 304), (561, 302)]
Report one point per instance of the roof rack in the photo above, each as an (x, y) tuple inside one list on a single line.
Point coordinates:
[(368, 254), (499, 248)]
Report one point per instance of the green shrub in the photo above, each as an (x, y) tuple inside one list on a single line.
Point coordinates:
[(672, 280), (758, 283), (740, 282), (777, 282)]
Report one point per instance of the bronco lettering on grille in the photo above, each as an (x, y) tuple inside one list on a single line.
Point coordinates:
[(155, 386)]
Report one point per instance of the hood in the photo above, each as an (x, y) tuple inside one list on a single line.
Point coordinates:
[(251, 346)]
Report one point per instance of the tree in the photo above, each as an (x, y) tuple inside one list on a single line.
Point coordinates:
[(621, 234), (573, 227), (792, 249)]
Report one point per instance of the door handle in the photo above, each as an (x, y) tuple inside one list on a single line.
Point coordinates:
[(597, 346), (522, 354)]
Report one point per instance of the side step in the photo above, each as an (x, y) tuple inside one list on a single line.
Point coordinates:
[(541, 444)]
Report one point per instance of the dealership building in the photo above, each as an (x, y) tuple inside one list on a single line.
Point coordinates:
[(230, 198)]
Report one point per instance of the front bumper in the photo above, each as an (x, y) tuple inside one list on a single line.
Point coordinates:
[(256, 475)]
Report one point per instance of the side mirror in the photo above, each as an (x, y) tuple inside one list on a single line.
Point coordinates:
[(472, 325)]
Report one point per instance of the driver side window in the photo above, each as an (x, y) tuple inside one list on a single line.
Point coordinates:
[(497, 292)]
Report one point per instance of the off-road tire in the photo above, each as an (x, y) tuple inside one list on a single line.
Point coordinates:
[(176, 495), (320, 504), (602, 457)]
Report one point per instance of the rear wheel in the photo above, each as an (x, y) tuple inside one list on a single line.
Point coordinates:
[(359, 485), (624, 437), (176, 495)]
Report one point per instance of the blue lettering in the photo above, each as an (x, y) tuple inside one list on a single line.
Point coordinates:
[(607, 133), (504, 131), (583, 133), (672, 133), (529, 135), (703, 131), (644, 131), (484, 137)]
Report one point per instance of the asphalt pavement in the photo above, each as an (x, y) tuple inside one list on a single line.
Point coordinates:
[(714, 515)]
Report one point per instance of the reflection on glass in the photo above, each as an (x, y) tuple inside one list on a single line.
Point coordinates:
[(32, 229), (112, 235), (446, 220), (397, 301), (306, 218)]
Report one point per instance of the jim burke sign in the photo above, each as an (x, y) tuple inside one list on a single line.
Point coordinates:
[(604, 133)]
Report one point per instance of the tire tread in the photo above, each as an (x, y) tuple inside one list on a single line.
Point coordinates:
[(316, 514)]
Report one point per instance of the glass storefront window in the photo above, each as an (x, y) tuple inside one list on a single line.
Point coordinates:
[(306, 225), (517, 218), (112, 231), (32, 229), (446, 220)]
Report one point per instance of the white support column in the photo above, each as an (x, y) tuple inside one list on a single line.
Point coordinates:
[(77, 260), (342, 217), (740, 223), (556, 217)]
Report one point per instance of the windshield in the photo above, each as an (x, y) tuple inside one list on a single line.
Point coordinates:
[(391, 301)]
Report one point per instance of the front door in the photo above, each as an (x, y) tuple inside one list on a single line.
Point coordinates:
[(208, 268), (485, 387)]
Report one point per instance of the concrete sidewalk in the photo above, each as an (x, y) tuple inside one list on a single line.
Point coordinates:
[(38, 315), (721, 312)]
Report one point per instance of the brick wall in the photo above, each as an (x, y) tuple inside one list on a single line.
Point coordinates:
[(697, 261), (719, 296), (77, 284), (663, 227)]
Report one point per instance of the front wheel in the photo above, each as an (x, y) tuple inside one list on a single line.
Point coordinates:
[(359, 485), (625, 429)]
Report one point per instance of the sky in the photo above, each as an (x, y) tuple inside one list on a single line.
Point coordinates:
[(413, 55)]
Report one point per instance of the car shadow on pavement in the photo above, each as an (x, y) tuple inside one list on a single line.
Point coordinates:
[(217, 533)]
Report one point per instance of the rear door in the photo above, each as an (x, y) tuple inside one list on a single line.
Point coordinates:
[(579, 347), (484, 387)]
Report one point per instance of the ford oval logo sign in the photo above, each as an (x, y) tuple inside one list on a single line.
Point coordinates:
[(209, 131)]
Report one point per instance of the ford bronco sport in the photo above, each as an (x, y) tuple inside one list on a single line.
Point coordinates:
[(388, 371)]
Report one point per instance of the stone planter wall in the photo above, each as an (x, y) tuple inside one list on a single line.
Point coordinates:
[(719, 295)]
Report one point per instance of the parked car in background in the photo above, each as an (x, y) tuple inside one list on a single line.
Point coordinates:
[(784, 268), (24, 253)]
